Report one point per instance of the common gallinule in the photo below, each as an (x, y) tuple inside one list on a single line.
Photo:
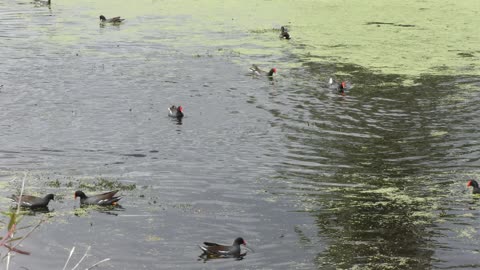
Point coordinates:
[(214, 249), (340, 86), (33, 201), (284, 34), (257, 71), (106, 198), (175, 111), (474, 184), (111, 20)]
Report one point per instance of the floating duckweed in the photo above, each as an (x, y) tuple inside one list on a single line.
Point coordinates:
[(382, 190), (81, 212), (424, 214), (438, 133), (153, 238), (104, 184), (409, 83), (54, 183), (468, 233), (421, 222), (183, 206), (395, 194), (50, 215), (262, 31)]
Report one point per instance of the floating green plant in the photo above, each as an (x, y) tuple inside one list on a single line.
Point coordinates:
[(54, 183), (104, 184), (153, 238)]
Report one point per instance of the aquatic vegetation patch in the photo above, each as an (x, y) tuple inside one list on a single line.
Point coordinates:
[(262, 31), (466, 232), (392, 24), (394, 194), (466, 54), (153, 238), (104, 184), (438, 133), (182, 206), (388, 220), (80, 212), (54, 183)]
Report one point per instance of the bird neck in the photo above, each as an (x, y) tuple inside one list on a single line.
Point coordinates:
[(474, 184)]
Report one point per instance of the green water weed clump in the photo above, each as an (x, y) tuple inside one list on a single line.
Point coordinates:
[(102, 184), (54, 183)]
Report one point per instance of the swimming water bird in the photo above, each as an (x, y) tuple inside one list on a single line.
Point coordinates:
[(341, 87), (214, 249), (257, 71), (175, 111), (474, 184), (107, 198), (111, 20), (284, 34), (33, 201)]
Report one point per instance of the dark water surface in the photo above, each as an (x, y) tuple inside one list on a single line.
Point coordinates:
[(310, 179)]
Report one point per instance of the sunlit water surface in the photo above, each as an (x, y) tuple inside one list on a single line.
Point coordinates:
[(309, 178)]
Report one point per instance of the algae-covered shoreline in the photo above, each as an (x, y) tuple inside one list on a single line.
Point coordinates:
[(402, 37)]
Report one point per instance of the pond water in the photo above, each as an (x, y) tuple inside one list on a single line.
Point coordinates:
[(375, 179)]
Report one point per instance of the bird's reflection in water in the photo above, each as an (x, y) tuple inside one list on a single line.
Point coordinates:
[(34, 211), (108, 209), (207, 257)]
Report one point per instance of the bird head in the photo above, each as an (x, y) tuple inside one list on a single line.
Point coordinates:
[(472, 183), (80, 194)]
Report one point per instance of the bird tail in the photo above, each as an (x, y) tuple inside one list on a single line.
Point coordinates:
[(204, 249), (113, 200), (254, 68)]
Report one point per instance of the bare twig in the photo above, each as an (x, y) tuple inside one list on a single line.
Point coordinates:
[(17, 250), (21, 194), (102, 261), (84, 255), (69, 256), (8, 261), (13, 219)]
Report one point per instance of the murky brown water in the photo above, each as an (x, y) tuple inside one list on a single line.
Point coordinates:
[(310, 179)]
